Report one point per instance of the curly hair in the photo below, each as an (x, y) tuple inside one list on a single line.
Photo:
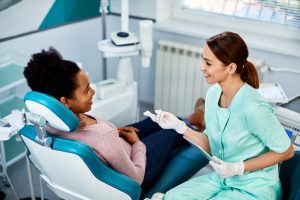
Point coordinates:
[(48, 73)]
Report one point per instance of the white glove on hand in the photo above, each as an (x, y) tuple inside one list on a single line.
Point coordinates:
[(226, 169), (167, 120)]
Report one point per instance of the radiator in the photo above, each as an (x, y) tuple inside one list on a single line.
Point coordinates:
[(178, 79)]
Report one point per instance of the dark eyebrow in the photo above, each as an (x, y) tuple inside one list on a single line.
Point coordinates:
[(206, 59), (87, 87)]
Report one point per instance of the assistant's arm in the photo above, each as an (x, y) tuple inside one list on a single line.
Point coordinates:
[(198, 137), (262, 123), (268, 159), (167, 120)]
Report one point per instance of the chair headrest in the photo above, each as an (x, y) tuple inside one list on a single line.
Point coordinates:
[(57, 115)]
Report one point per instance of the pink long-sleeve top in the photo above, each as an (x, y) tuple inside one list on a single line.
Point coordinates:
[(103, 137)]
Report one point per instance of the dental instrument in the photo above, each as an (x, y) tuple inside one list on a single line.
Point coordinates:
[(124, 37), (206, 155), (123, 47)]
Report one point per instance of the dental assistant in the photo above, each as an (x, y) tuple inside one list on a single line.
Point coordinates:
[(241, 130)]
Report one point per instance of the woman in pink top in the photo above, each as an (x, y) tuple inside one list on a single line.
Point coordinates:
[(139, 151)]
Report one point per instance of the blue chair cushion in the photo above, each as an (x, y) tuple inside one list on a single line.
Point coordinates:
[(66, 116), (290, 178)]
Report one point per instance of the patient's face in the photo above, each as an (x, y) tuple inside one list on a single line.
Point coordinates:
[(81, 101)]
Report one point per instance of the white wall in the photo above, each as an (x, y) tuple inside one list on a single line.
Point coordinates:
[(77, 42), (141, 8), (30, 16), (153, 9)]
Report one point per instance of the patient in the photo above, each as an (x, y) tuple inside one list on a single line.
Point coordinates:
[(139, 151), (196, 119)]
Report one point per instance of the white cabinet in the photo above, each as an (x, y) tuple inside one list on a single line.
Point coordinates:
[(11, 80)]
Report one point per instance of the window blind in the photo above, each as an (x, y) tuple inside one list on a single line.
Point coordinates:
[(286, 12)]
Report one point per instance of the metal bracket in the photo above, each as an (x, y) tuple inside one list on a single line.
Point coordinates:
[(40, 122)]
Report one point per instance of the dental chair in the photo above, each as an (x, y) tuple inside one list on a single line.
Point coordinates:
[(73, 171), (290, 177)]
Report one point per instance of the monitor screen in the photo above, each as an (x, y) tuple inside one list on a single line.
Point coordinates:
[(293, 105)]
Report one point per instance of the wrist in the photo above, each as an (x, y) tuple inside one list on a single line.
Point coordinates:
[(181, 127), (240, 168)]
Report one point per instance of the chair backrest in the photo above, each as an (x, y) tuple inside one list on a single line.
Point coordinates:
[(71, 169)]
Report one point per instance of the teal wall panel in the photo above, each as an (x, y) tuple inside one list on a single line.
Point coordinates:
[(66, 11)]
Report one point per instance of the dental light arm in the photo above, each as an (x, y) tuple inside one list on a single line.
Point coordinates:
[(124, 16)]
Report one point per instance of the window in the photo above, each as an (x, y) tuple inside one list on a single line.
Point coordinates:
[(285, 12), (264, 24)]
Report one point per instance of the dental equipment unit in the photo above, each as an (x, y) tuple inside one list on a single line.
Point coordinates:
[(122, 92)]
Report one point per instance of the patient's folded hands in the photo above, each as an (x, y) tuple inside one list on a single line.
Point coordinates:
[(129, 134), (167, 120)]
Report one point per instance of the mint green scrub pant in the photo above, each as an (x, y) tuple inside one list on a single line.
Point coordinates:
[(212, 186)]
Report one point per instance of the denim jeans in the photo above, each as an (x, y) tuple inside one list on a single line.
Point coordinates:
[(160, 143)]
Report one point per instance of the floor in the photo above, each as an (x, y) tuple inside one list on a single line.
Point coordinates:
[(18, 175)]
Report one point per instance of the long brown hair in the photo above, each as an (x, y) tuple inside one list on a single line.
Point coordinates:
[(229, 48)]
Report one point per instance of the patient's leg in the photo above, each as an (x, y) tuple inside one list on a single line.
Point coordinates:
[(160, 145)]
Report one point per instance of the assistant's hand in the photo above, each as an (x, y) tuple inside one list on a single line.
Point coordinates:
[(167, 120), (129, 134), (226, 169)]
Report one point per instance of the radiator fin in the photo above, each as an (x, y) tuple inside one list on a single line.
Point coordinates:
[(178, 80)]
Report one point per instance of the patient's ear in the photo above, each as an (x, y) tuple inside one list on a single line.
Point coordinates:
[(64, 100)]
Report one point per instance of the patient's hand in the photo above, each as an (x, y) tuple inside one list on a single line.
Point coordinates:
[(129, 134)]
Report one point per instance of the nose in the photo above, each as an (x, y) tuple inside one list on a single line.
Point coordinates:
[(202, 67), (92, 91)]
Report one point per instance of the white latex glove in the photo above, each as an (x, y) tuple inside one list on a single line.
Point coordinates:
[(226, 169), (167, 120), (158, 196)]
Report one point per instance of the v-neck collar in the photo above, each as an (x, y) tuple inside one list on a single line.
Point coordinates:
[(236, 96)]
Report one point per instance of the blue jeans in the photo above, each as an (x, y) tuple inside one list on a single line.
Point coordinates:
[(160, 144)]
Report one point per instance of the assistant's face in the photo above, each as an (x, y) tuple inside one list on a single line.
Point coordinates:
[(213, 69), (81, 101)]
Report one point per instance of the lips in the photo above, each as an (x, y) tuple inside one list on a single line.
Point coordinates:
[(205, 75)]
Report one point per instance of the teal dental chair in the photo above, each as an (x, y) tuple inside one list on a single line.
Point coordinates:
[(73, 171), (290, 177)]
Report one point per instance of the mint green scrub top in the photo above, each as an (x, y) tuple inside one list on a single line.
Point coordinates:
[(246, 129)]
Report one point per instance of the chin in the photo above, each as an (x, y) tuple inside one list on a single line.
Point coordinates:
[(210, 81), (87, 110)]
